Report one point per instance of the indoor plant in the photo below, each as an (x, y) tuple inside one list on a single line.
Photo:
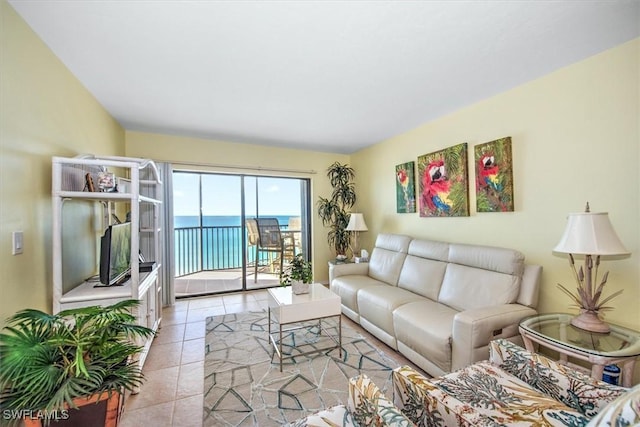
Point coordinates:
[(51, 363), (334, 211), (298, 274)]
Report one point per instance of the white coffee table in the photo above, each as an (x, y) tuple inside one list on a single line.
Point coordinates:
[(286, 308)]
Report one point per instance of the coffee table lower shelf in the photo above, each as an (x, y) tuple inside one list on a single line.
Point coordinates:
[(276, 336)]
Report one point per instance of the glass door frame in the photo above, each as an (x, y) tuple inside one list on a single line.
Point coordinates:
[(305, 229)]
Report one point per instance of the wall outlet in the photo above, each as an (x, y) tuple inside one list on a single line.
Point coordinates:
[(17, 238)]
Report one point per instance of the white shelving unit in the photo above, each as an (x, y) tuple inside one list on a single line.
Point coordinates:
[(140, 194)]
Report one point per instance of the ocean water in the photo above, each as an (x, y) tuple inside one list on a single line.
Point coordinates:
[(219, 221), (217, 246)]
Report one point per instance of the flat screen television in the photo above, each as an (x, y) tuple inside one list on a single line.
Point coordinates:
[(115, 254)]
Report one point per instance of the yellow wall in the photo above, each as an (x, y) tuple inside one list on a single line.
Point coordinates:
[(45, 112), (575, 138), (243, 157)]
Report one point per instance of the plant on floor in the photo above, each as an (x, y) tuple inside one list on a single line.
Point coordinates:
[(334, 211), (49, 360), (298, 270)]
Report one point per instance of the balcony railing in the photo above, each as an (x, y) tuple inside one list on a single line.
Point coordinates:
[(211, 248)]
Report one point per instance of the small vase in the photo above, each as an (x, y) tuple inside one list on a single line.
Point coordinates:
[(299, 288)]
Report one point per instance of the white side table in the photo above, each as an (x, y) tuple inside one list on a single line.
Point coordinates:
[(620, 346), (286, 308)]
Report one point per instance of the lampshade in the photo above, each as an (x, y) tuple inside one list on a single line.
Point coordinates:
[(590, 233), (356, 223)]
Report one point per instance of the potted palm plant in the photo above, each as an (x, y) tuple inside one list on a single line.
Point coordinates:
[(298, 274), (334, 211), (55, 366)]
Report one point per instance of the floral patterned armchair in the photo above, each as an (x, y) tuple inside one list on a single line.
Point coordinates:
[(515, 387)]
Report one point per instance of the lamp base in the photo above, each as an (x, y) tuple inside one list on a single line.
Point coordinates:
[(589, 321)]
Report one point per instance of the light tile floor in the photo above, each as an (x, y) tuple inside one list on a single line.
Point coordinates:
[(172, 394)]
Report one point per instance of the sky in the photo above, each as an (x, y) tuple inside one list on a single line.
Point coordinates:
[(221, 195)]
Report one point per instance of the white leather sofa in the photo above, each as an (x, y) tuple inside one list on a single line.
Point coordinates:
[(437, 303)]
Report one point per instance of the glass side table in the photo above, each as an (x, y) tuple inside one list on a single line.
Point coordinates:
[(621, 346)]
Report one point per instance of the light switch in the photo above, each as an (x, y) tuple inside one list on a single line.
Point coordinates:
[(18, 240)]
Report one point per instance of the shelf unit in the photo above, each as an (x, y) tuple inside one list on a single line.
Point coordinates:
[(139, 192)]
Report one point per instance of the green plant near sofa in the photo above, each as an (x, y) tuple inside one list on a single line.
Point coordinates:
[(334, 211), (298, 270), (50, 360)]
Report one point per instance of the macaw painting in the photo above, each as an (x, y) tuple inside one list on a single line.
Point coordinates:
[(494, 176), (405, 188), (443, 178)]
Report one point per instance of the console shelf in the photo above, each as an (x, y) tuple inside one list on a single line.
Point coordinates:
[(138, 196)]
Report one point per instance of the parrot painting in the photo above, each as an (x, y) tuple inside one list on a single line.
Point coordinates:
[(489, 173), (435, 186), (403, 180)]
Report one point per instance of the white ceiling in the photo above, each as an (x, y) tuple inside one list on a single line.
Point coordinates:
[(332, 76)]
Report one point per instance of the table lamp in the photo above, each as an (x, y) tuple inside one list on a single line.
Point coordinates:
[(356, 225), (592, 235)]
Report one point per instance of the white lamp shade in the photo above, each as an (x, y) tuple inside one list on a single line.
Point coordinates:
[(356, 223), (590, 233)]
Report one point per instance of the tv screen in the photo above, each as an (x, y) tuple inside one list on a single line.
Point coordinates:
[(115, 254)]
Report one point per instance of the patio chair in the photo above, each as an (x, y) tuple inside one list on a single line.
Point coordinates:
[(264, 234), (293, 238)]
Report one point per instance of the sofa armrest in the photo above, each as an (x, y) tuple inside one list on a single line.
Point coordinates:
[(563, 383), (421, 400), (473, 330), (346, 269), (369, 406)]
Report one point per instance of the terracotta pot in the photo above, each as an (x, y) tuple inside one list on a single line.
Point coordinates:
[(96, 411)]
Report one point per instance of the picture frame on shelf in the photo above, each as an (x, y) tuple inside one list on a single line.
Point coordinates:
[(88, 183), (107, 181)]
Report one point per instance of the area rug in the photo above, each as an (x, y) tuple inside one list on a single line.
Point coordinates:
[(243, 385)]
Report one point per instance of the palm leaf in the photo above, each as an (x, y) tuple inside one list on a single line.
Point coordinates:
[(48, 360)]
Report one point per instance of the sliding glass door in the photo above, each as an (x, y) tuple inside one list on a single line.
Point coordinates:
[(218, 220), (269, 203)]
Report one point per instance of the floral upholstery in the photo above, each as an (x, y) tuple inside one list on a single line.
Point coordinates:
[(575, 389), (367, 407), (479, 395), (337, 416), (370, 407), (624, 411), (514, 387)]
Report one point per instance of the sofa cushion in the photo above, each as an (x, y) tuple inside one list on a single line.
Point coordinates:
[(376, 304), (347, 288), (624, 411), (502, 260), (422, 276), (478, 395), (577, 390), (387, 257), (425, 327), (430, 249), (466, 288), (393, 242), (484, 394)]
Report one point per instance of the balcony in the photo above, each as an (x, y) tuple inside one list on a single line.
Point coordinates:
[(209, 260)]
